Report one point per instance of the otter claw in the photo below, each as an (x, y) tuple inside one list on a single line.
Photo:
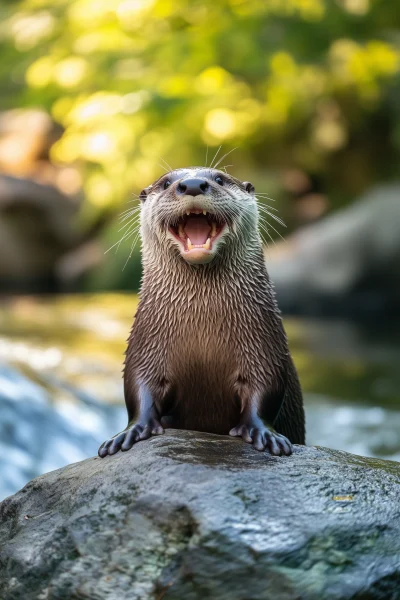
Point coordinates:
[(127, 438), (263, 438)]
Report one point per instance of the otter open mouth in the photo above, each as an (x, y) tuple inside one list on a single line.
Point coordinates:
[(197, 229)]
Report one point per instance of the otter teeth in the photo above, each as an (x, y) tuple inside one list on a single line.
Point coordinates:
[(213, 229), (181, 232), (205, 246), (196, 212)]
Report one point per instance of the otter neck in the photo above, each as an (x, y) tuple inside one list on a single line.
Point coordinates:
[(239, 265)]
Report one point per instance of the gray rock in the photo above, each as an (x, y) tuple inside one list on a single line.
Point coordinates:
[(347, 263), (189, 516)]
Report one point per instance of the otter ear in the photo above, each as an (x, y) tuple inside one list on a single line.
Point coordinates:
[(143, 194), (249, 187)]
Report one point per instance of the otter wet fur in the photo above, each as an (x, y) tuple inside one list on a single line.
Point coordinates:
[(207, 350)]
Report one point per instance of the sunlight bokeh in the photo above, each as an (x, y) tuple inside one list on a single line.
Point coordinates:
[(136, 80)]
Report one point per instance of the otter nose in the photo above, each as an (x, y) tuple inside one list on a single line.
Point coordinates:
[(193, 187)]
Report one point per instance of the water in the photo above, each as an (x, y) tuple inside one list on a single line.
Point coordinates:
[(61, 388)]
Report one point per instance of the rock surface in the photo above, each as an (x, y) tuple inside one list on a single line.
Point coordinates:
[(188, 516), (345, 264)]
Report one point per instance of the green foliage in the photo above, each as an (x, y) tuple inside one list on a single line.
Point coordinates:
[(311, 84)]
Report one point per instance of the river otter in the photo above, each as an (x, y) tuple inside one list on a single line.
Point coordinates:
[(207, 350)]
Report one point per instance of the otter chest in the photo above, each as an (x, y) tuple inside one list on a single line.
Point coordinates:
[(202, 365)]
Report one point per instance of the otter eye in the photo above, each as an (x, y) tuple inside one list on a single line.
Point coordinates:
[(219, 180), (167, 183)]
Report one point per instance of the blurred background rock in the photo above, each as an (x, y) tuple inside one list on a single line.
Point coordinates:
[(95, 97)]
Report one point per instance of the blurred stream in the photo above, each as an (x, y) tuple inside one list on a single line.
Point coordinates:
[(61, 388)]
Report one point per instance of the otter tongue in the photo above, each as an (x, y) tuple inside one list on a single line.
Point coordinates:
[(198, 230)]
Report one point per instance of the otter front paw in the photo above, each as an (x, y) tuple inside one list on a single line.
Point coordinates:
[(263, 438), (125, 440)]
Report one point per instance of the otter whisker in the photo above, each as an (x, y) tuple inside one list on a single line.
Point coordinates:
[(131, 231), (215, 156), (275, 217), (165, 163), (262, 205), (127, 213), (276, 231), (130, 217), (259, 204), (265, 229), (137, 207), (125, 236), (129, 209), (131, 252), (265, 195), (129, 224), (224, 156)]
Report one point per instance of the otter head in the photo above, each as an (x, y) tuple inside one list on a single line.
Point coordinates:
[(198, 212)]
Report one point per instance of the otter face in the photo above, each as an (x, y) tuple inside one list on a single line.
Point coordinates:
[(197, 211)]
